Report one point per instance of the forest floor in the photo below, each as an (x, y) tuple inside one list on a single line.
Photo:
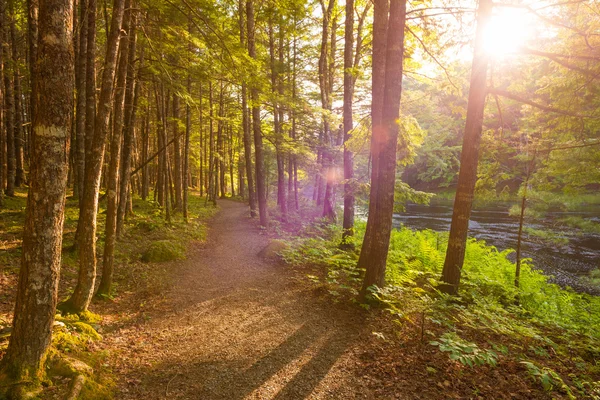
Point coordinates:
[(229, 323), (237, 326)]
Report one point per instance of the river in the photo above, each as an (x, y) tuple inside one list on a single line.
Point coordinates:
[(565, 263)]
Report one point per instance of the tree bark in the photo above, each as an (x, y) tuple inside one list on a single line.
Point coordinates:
[(80, 83), (37, 292), (9, 107), (348, 222), (177, 155), (386, 137), (18, 126), (467, 176)]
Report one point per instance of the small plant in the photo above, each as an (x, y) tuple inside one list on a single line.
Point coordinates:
[(548, 378), (464, 352)]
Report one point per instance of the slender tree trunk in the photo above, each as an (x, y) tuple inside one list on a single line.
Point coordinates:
[(348, 223), (9, 106), (37, 292), (387, 141), (33, 7), (161, 165), (467, 176), (82, 295), (2, 113), (220, 177), (18, 127), (246, 122), (80, 82), (178, 180), (115, 158), (328, 155), (258, 143)]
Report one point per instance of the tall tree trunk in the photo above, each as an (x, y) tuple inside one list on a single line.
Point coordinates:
[(177, 155), (2, 112), (380, 29), (145, 150), (210, 190), (326, 85), (80, 83), (348, 223), (18, 124), (82, 295), (186, 151), (386, 138), (467, 176), (160, 184), (220, 177), (90, 106), (246, 123), (37, 292), (258, 142), (33, 8), (9, 106), (110, 235), (132, 95), (202, 148)]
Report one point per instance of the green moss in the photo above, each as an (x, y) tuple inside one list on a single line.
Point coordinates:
[(164, 250), (94, 391)]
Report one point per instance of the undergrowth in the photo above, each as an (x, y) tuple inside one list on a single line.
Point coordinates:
[(553, 333)]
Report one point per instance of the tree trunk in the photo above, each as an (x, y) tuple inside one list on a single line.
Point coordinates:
[(246, 124), (386, 136), (220, 177), (2, 113), (258, 143), (115, 159), (33, 9), (9, 107), (467, 176), (42, 239), (82, 295), (348, 223), (80, 82), (330, 141), (18, 134), (177, 155), (380, 28)]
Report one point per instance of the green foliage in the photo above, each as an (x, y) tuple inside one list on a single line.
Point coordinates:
[(465, 352), (555, 322), (548, 378)]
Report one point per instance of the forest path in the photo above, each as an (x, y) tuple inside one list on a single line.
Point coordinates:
[(235, 326)]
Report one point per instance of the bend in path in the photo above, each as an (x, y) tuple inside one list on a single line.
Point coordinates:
[(235, 326)]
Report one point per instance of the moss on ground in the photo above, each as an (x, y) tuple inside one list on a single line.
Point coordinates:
[(164, 250)]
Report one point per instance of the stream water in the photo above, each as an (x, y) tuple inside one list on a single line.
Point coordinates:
[(565, 263)]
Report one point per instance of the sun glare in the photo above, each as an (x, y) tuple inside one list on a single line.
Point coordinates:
[(508, 30)]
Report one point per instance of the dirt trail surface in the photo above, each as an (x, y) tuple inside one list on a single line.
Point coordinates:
[(236, 326)]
